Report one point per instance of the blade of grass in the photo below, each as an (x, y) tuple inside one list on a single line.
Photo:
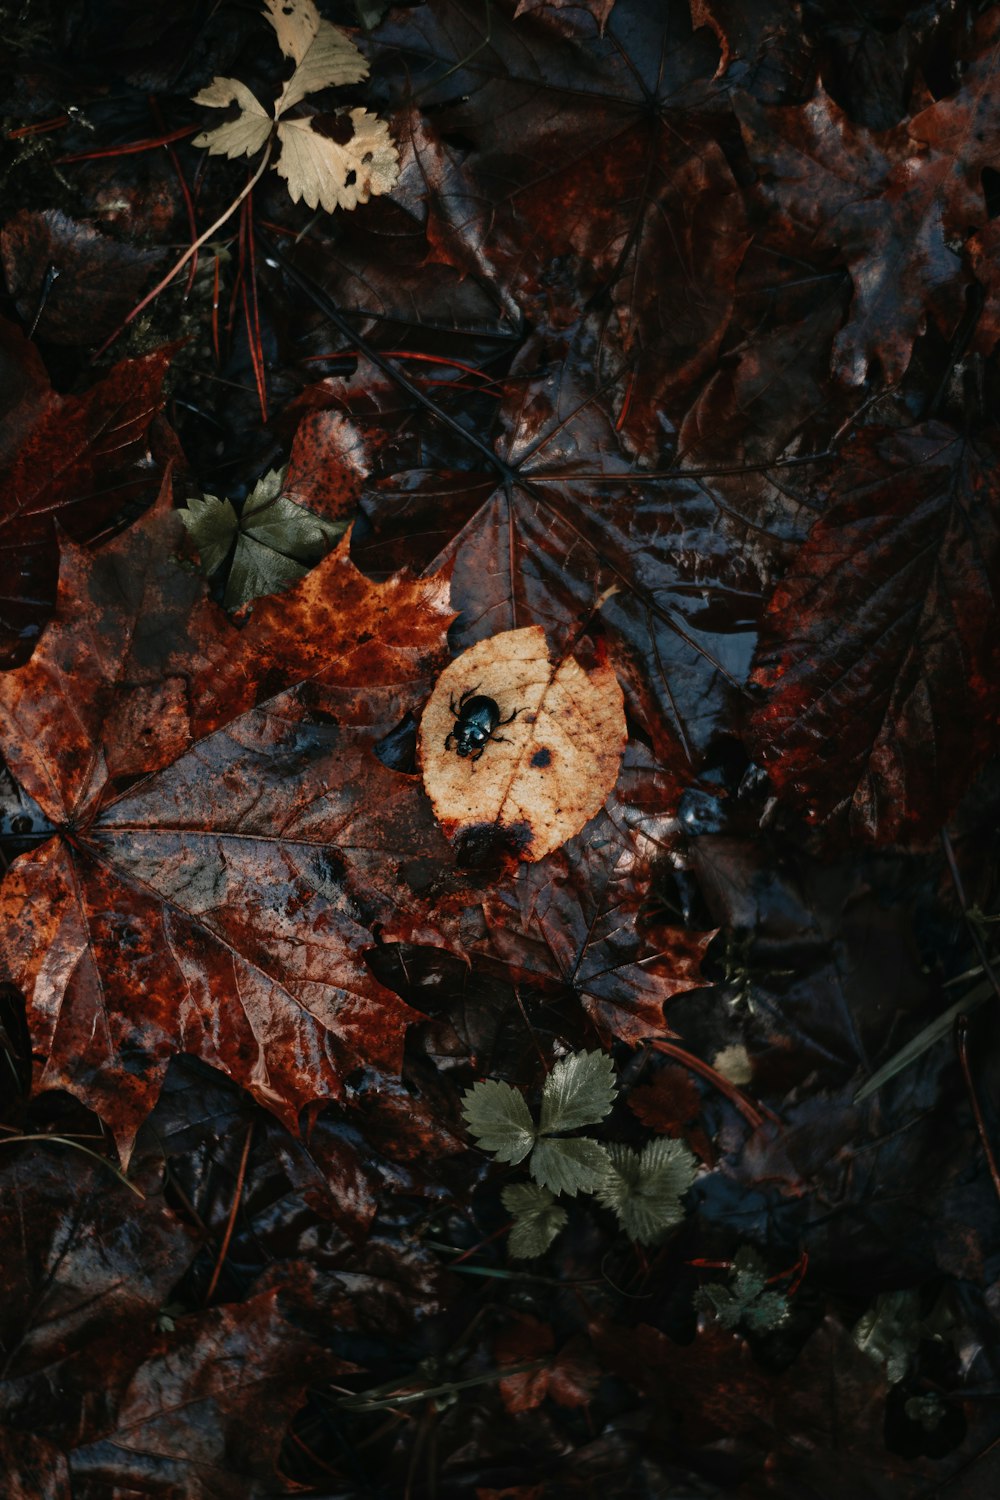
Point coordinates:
[(65, 1140), (940, 1027)]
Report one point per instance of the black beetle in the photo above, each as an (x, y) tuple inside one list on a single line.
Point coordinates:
[(478, 717)]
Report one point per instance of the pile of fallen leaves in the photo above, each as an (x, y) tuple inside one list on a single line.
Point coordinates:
[(499, 699)]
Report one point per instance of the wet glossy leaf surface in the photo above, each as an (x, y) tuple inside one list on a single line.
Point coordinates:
[(674, 349)]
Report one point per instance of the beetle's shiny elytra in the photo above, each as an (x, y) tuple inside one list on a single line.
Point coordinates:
[(478, 717)]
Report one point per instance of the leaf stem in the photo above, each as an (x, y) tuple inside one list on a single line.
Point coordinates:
[(732, 1093), (962, 1047), (192, 249), (231, 1221)]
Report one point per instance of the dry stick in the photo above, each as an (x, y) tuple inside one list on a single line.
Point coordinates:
[(191, 250), (732, 1093), (231, 1221), (962, 1047)]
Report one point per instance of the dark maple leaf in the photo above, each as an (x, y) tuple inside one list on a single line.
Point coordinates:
[(891, 204), (79, 283), (879, 655), (80, 461), (33, 1469), (218, 872), (204, 1410), (72, 1281), (571, 922), (606, 192), (569, 1377), (565, 529)]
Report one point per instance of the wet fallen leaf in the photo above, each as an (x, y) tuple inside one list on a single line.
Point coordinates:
[(537, 784), (79, 461), (198, 894)]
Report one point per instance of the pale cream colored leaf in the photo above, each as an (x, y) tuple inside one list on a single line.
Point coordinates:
[(243, 136), (318, 169), (295, 22), (330, 61), (554, 765)]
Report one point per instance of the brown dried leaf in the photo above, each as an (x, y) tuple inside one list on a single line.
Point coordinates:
[(549, 773)]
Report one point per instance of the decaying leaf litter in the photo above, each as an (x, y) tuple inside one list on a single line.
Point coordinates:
[(660, 338)]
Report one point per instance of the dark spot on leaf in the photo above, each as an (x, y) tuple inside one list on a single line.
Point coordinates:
[(542, 757), (338, 127), (484, 845), (422, 876), (330, 867)]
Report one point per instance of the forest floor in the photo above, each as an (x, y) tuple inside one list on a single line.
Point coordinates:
[(612, 1113)]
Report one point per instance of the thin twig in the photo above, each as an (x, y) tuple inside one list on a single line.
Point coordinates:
[(191, 250), (231, 1221), (962, 1047), (723, 1084)]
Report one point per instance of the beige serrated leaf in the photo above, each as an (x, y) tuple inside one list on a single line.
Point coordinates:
[(325, 174), (240, 137), (295, 22), (330, 61), (552, 765)]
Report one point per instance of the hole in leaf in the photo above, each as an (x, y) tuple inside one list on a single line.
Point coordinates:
[(991, 191), (338, 127)]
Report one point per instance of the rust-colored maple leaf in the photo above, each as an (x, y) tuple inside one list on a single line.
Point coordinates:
[(224, 841)]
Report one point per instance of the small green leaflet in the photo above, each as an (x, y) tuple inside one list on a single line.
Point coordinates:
[(894, 1327), (538, 1218), (747, 1300), (498, 1117), (645, 1187), (569, 1167), (580, 1090), (277, 541)]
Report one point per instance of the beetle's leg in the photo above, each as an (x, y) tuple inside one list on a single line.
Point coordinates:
[(499, 739), (451, 735), (511, 719)]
